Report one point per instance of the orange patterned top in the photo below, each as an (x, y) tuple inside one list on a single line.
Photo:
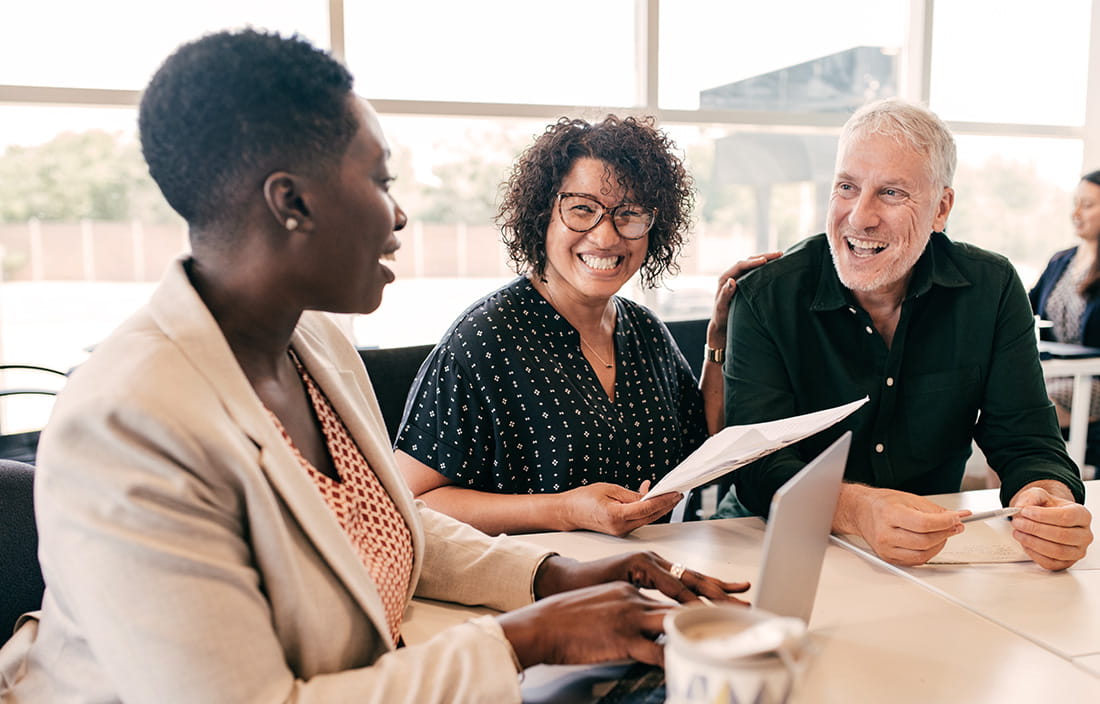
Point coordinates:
[(362, 506)]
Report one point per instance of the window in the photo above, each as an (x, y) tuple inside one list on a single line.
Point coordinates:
[(119, 43), (754, 98), (1014, 195), (993, 62), (570, 52), (800, 55)]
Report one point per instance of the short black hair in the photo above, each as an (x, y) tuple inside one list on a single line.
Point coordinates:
[(226, 110), (643, 162)]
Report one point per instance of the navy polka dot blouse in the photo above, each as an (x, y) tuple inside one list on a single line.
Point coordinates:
[(507, 403)]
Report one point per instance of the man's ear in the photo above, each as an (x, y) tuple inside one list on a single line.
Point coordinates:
[(283, 195), (943, 209)]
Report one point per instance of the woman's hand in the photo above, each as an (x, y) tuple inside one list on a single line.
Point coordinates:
[(727, 284), (612, 509), (710, 380), (647, 570), (595, 624), (594, 611)]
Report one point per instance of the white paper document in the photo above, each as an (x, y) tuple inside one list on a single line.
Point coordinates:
[(981, 542), (738, 445), (988, 541)]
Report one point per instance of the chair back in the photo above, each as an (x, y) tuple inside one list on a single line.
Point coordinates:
[(19, 422), (392, 371), (690, 336), (21, 586)]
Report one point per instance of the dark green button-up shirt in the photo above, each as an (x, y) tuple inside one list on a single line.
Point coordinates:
[(963, 366)]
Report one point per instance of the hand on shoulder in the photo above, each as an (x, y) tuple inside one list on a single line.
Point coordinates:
[(727, 284)]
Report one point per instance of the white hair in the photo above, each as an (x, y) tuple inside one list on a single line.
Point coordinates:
[(911, 124)]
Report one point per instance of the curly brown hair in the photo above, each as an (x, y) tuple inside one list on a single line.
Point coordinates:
[(643, 162)]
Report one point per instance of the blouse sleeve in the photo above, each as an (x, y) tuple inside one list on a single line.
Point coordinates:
[(447, 423)]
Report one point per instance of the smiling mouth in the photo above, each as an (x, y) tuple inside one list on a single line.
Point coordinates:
[(864, 248), (600, 263)]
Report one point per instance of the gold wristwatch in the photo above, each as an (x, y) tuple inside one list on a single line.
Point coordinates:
[(715, 355)]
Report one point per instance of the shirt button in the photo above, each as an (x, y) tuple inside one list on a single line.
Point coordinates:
[(889, 381), (851, 310), (880, 448), (869, 330)]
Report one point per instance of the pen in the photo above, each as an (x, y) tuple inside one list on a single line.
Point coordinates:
[(986, 515)]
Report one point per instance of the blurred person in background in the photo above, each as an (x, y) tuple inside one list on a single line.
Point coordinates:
[(1068, 296)]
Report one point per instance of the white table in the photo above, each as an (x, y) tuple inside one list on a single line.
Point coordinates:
[(1082, 370), (883, 634), (1059, 612)]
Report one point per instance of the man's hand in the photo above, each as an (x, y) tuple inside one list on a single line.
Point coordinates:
[(901, 528), (612, 509), (1052, 529)]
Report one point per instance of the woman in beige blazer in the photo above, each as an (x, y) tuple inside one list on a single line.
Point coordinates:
[(191, 545)]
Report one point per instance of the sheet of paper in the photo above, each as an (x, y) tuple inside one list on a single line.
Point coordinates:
[(738, 445), (981, 542)]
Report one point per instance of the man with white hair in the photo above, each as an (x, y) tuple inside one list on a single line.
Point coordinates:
[(938, 334)]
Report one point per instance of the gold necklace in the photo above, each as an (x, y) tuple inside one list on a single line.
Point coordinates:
[(592, 349)]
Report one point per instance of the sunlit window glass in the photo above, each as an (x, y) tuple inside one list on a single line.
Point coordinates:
[(571, 52), (119, 43), (1010, 62), (799, 55), (1013, 196)]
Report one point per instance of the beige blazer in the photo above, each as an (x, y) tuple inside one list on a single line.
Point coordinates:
[(189, 558)]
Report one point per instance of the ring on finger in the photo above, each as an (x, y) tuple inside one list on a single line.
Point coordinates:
[(677, 570)]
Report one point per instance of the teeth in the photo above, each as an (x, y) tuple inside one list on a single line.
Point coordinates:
[(600, 262), (866, 244), (388, 257)]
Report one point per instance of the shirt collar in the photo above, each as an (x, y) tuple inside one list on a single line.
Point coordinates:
[(934, 268)]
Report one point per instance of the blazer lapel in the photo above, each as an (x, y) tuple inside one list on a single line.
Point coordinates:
[(348, 390), (181, 313)]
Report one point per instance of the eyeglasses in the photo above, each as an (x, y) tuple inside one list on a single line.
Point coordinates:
[(581, 213)]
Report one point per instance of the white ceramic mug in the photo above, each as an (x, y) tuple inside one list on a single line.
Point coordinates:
[(698, 670)]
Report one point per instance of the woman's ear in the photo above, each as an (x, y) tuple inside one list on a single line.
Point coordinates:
[(283, 195)]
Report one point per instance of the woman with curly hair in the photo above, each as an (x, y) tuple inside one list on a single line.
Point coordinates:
[(551, 399)]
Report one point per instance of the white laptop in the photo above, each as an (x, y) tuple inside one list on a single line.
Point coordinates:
[(799, 524)]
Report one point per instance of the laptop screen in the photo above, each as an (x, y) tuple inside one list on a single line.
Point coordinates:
[(797, 534)]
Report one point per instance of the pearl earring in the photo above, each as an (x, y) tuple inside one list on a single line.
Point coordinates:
[(291, 224)]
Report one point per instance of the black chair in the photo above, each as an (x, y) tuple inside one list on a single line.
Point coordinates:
[(23, 445), (690, 336), (392, 371), (21, 586)]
